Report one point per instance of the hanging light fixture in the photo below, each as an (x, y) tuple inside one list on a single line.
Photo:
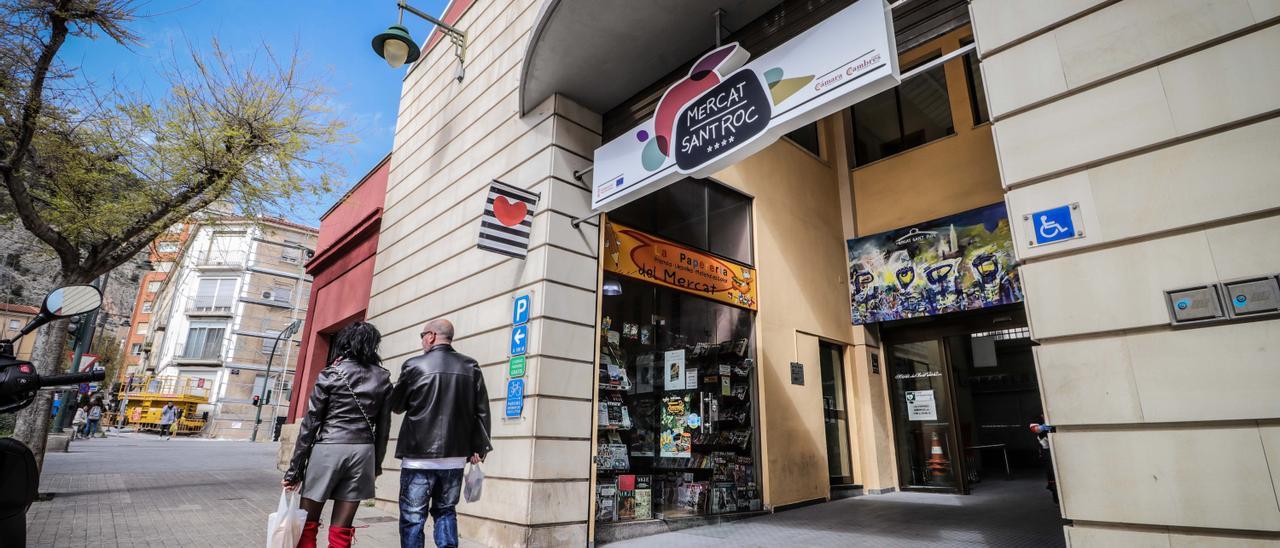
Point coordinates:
[(612, 287), (397, 47)]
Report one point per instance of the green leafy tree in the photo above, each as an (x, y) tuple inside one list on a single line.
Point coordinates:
[(97, 176)]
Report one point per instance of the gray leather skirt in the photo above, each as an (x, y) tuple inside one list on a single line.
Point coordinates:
[(340, 471)]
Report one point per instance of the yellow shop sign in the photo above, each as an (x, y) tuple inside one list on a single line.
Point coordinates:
[(635, 254)]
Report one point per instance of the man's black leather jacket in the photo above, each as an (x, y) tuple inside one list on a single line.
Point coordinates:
[(445, 406), (333, 416)]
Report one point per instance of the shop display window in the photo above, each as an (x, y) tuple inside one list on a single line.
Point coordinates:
[(700, 213), (675, 417)]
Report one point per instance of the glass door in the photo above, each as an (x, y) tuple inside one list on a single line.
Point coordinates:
[(924, 429), (835, 413)]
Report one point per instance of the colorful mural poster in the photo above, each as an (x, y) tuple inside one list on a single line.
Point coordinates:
[(675, 438), (960, 262)]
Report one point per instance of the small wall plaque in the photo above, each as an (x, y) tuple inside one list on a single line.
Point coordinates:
[(1194, 304)]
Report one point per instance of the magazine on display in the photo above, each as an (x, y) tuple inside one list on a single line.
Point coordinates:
[(607, 500)]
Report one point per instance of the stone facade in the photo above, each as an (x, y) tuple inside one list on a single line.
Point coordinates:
[(1159, 119)]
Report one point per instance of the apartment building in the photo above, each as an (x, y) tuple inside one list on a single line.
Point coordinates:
[(12, 318), (234, 285), (161, 255)]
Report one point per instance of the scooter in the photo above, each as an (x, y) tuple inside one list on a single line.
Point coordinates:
[(19, 384)]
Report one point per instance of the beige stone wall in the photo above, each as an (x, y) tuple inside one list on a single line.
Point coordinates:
[(1160, 119), (943, 177), (803, 290), (451, 140)]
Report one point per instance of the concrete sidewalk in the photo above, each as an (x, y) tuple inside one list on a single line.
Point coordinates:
[(1006, 514), (133, 490)]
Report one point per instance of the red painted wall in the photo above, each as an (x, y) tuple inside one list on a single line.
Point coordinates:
[(342, 273)]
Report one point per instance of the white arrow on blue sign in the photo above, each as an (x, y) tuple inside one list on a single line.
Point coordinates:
[(520, 314), (519, 340)]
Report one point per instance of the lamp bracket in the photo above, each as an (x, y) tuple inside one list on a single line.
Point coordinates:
[(457, 36)]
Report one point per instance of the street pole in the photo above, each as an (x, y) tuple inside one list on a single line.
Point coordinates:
[(288, 349), (287, 333), (84, 338)]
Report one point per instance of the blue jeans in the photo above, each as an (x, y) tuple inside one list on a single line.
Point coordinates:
[(437, 489), (91, 428)]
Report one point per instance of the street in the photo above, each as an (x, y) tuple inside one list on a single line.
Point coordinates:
[(133, 490)]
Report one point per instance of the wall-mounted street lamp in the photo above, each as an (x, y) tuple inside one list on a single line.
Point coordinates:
[(396, 46)]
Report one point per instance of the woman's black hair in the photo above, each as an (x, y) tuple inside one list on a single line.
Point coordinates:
[(358, 342)]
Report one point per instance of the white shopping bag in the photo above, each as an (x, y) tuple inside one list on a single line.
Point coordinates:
[(284, 526), (472, 483)]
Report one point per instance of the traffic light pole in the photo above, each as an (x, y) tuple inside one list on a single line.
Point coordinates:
[(84, 338)]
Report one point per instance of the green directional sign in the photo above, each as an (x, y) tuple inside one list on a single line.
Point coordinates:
[(516, 367)]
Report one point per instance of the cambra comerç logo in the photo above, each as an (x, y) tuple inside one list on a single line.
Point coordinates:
[(725, 109)]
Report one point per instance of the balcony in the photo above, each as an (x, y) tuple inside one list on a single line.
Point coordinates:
[(204, 311), (221, 260), (197, 356)]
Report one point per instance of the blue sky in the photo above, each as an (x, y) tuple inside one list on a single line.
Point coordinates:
[(332, 36)]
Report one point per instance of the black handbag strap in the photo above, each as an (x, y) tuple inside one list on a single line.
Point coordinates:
[(355, 398)]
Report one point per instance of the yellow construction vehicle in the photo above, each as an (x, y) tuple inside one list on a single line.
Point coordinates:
[(145, 398)]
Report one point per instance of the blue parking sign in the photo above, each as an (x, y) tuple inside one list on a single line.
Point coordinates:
[(520, 312), (515, 398), (1053, 225), (519, 340)]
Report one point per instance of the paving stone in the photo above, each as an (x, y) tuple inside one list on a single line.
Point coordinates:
[(136, 491), (1002, 514)]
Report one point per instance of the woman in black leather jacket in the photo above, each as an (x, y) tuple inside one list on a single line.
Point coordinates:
[(343, 437)]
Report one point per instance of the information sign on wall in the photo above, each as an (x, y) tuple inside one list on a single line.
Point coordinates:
[(726, 109), (636, 254), (516, 367), (1054, 225), (921, 405), (519, 340), (515, 398)]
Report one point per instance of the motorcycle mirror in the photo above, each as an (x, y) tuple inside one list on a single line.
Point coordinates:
[(72, 300), (63, 302)]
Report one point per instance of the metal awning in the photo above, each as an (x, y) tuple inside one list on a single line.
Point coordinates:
[(601, 52)]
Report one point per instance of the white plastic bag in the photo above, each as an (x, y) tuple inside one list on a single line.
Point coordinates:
[(284, 526), (472, 483)]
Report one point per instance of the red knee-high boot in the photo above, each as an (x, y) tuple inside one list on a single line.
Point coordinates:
[(309, 531), (341, 537)]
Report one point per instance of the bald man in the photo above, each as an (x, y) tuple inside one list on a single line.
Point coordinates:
[(446, 423)]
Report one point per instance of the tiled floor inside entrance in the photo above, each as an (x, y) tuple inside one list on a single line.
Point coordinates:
[(1018, 513)]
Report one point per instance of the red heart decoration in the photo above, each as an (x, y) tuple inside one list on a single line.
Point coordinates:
[(509, 212)]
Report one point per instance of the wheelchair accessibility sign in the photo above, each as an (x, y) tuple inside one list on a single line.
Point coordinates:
[(1055, 225)]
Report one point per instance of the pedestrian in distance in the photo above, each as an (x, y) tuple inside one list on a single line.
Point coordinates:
[(343, 437), (93, 419), (168, 416), (77, 423), (446, 423)]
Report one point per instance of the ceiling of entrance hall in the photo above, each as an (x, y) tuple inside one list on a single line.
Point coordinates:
[(600, 52)]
